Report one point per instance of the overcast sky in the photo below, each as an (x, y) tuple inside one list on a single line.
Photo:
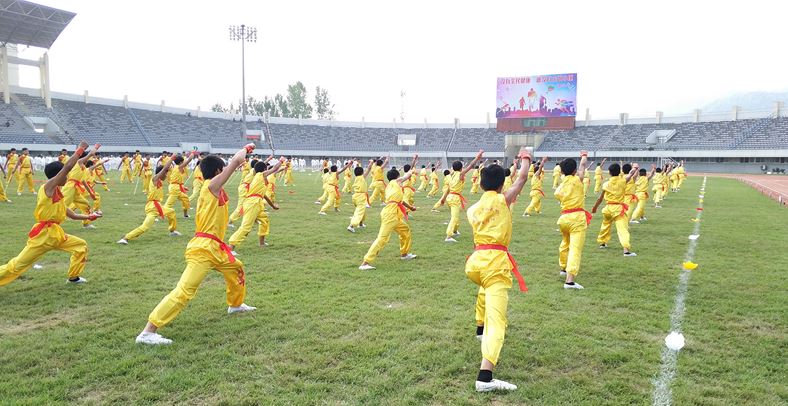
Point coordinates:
[(630, 56)]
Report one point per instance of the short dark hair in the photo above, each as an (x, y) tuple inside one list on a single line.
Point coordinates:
[(325, 170), (333, 168), (52, 169), (626, 168), (446, 172), (25, 149), (392, 174), (253, 162), (659, 170), (89, 163), (406, 168), (63, 150), (210, 166), (13, 149), (260, 166), (178, 160), (507, 172), (568, 166), (379, 162), (160, 168), (493, 177), (423, 166), (642, 172), (614, 169), (358, 171), (456, 165)]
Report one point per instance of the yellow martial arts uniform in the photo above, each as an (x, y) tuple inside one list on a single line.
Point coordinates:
[(243, 190), (597, 179), (392, 219), (100, 172), (25, 174), (360, 201), (147, 176), (425, 179), (556, 176), (573, 223), (658, 188), (475, 181), (153, 209), (205, 251), (614, 212), (378, 184), (3, 197), (490, 269), (674, 179), (271, 190), (74, 192), (254, 211), (665, 185), (332, 191), (197, 182), (435, 184), (45, 236), (586, 185), (177, 192), (289, 174), (641, 191), (536, 195), (347, 187), (455, 200), (125, 169), (630, 197), (409, 191), (90, 180), (137, 165), (443, 191), (11, 161), (682, 173)]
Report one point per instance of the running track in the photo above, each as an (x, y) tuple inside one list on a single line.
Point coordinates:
[(772, 186)]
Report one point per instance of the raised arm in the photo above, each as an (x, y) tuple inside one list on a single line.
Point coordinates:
[(653, 170), (217, 183), (274, 168), (162, 173), (633, 174), (541, 167), (344, 168), (410, 172), (369, 167), (62, 176), (186, 161), (471, 164), (525, 164), (88, 156), (581, 170)]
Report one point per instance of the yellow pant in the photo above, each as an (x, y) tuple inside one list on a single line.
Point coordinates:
[(674, 183), (96, 201), (433, 191), (100, 177), (196, 188), (640, 210), (9, 177), (536, 203), (288, 178), (631, 201), (254, 212), (334, 198), (150, 217), (611, 214), (424, 183), (147, 179), (3, 197), (556, 181), (658, 194), (491, 303), (586, 184), (455, 204), (390, 223), (197, 267), (24, 179), (347, 187), (175, 195), (474, 187), (409, 196), (51, 238), (238, 212), (597, 184), (324, 196), (378, 192), (681, 181), (125, 173), (76, 200), (360, 214), (137, 171), (573, 235)]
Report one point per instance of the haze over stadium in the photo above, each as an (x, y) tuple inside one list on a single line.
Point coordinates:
[(666, 122)]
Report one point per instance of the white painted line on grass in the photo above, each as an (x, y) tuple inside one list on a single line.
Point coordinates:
[(663, 395)]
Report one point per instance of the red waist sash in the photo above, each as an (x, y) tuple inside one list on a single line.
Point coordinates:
[(402, 208), (222, 245), (517, 275), (40, 226), (624, 207), (577, 209), (462, 198)]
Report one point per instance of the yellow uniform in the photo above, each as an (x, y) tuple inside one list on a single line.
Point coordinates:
[(62, 158), (435, 184), (323, 181), (455, 200), (11, 161), (674, 179), (630, 197), (360, 200), (90, 180), (586, 185), (682, 174), (332, 191), (641, 191), (99, 172), (658, 188), (125, 169), (615, 212), (3, 197), (25, 174), (425, 179), (271, 189), (392, 219), (254, 211), (475, 180), (597, 179), (443, 191), (147, 176), (346, 188), (378, 184), (243, 189), (197, 182), (74, 192), (289, 173), (205, 251), (556, 176), (490, 268), (573, 223), (153, 209), (176, 190), (536, 195), (137, 165), (409, 190), (45, 236)]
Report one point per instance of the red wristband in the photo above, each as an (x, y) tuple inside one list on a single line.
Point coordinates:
[(79, 151)]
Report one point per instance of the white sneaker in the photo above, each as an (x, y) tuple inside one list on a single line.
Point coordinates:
[(19, 194), (495, 384), (366, 267), (634, 222), (630, 254), (575, 286), (123, 241), (240, 309), (79, 280), (363, 226), (602, 246), (175, 233), (152, 339), (407, 257), (562, 273), (456, 233), (318, 202), (449, 239), (231, 225), (88, 226), (479, 337), (643, 219), (657, 207), (351, 229), (322, 213), (235, 254)]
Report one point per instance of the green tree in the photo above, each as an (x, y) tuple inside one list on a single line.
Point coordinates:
[(323, 106), (296, 101), (282, 106), (218, 108)]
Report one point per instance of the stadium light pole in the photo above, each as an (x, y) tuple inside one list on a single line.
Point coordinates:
[(244, 34)]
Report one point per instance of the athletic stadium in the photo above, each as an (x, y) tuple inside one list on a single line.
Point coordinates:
[(694, 312)]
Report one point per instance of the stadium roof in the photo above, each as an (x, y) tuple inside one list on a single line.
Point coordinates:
[(26, 23)]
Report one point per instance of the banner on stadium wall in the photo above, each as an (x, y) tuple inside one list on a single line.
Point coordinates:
[(537, 96)]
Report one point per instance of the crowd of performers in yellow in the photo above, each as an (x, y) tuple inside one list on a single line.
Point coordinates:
[(70, 191)]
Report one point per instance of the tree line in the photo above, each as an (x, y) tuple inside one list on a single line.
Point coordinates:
[(293, 104)]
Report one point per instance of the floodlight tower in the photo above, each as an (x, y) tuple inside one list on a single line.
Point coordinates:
[(244, 34)]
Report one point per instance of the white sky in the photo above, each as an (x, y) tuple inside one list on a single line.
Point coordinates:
[(630, 56)]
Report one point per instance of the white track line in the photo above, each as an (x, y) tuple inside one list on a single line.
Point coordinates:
[(662, 392)]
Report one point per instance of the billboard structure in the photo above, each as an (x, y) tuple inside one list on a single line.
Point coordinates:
[(536, 102)]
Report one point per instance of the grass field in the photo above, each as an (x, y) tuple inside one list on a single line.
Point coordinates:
[(326, 333)]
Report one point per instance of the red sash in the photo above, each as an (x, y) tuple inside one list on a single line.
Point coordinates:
[(577, 209), (78, 185), (540, 192), (222, 245), (402, 208), (336, 190), (624, 207), (246, 185), (520, 280), (462, 198), (91, 191), (367, 196), (40, 226), (183, 189), (158, 208), (412, 189)]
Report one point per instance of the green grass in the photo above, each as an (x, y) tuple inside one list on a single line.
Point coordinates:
[(326, 333)]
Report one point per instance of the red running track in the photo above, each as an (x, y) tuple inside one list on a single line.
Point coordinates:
[(772, 186)]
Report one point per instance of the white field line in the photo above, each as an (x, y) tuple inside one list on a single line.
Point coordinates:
[(662, 393)]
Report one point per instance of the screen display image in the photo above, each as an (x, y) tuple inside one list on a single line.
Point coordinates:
[(537, 96)]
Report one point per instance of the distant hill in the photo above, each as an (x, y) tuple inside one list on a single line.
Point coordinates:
[(748, 101)]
